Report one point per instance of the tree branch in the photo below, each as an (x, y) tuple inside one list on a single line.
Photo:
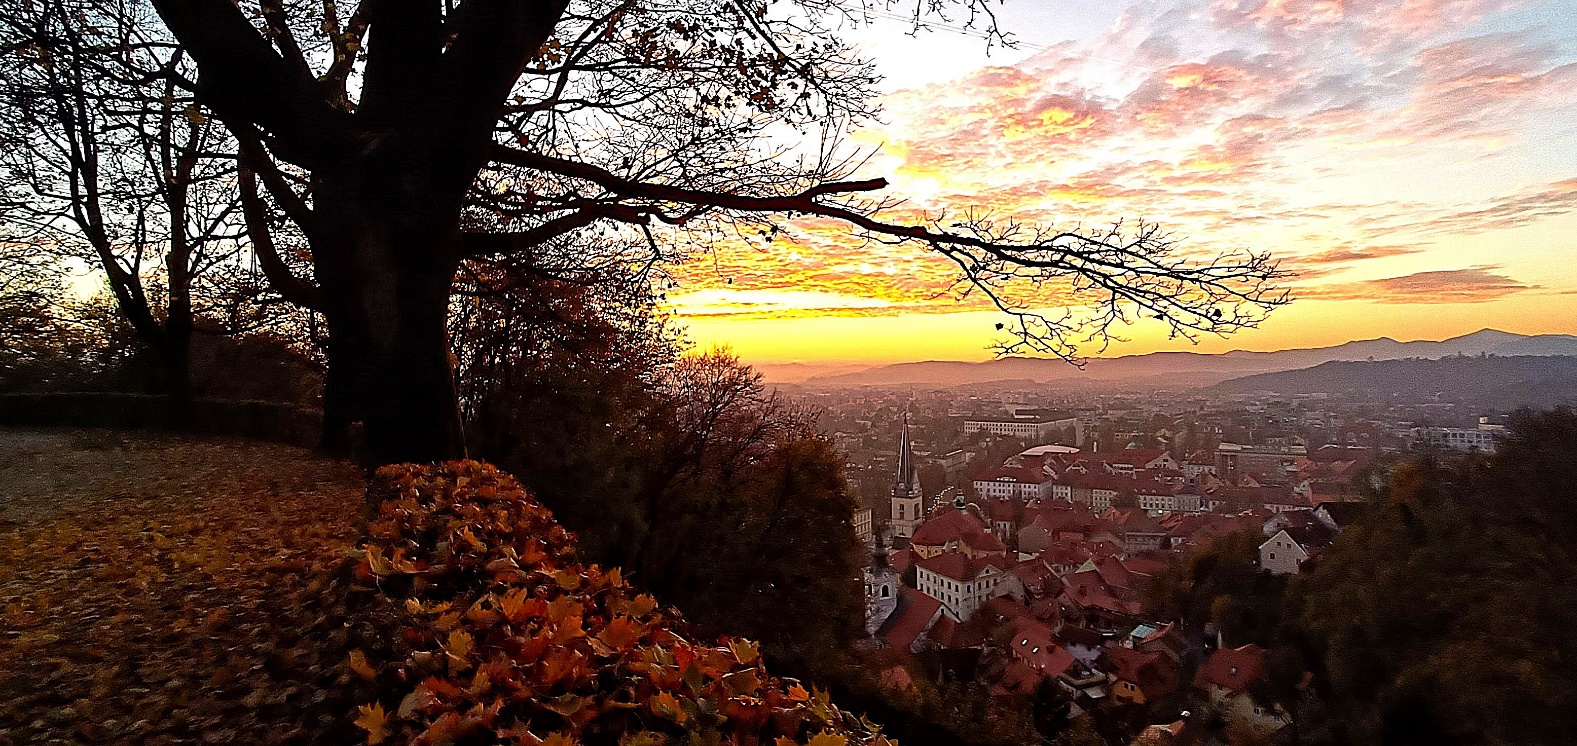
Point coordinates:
[(243, 79), (482, 245), (289, 287)]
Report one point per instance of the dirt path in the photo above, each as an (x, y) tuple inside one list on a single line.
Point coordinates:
[(153, 586)]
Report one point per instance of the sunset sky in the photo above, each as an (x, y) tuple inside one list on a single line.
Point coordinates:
[(1414, 161)]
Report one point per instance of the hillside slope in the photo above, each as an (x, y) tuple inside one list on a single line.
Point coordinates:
[(1502, 383), (1193, 368)]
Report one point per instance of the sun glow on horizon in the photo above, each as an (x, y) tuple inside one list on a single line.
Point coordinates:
[(1417, 171)]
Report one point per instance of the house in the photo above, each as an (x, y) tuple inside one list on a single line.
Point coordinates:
[(1199, 462), (1088, 600), (1138, 676), (1128, 461), (1179, 732), (1136, 530), (963, 528), (1034, 644), (1054, 523), (1225, 679), (915, 615), (1008, 482), (1166, 639), (1297, 537), (963, 583), (862, 526)]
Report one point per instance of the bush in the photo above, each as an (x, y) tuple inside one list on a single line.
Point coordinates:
[(509, 639)]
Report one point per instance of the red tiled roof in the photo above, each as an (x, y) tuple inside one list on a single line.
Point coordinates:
[(959, 566), (1232, 669), (1138, 457), (1071, 635), (1017, 678), (1139, 667), (1133, 521), (1033, 643), (1005, 608), (952, 524), (915, 610)]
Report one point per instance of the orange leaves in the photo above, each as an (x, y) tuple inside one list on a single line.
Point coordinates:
[(745, 651), (547, 642), (375, 721), (621, 634), (666, 706)]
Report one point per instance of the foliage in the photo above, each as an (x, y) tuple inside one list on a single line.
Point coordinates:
[(681, 470), (169, 589), (1224, 584), (508, 635), (1441, 616)]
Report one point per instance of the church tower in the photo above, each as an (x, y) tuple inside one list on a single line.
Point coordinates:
[(906, 511), (881, 590)]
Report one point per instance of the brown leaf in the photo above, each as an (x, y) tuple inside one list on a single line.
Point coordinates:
[(375, 721)]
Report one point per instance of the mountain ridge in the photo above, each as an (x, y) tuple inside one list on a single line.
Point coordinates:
[(1183, 367)]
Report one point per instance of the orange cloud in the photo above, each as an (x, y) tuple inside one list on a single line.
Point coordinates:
[(1471, 285)]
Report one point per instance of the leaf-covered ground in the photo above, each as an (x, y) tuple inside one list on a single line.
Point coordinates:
[(170, 589)]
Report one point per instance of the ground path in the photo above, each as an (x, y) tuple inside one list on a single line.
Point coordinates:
[(154, 587)]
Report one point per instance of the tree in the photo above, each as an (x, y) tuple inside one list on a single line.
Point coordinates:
[(487, 127), (681, 470), (1428, 620), (1224, 584), (109, 161)]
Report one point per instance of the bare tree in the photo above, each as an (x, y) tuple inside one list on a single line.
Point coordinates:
[(401, 139), (108, 160)]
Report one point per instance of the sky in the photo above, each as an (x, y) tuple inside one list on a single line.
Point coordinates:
[(1412, 162)]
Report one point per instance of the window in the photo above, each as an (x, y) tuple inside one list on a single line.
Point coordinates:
[(886, 592), (1272, 555)]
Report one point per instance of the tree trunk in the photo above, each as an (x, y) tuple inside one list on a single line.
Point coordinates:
[(387, 266)]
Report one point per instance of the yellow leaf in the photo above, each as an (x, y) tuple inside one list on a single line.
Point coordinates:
[(797, 693), (460, 647), (567, 580), (827, 739), (377, 562), (358, 663), (745, 651), (375, 721)]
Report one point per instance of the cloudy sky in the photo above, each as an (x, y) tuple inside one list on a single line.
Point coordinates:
[(1413, 161)]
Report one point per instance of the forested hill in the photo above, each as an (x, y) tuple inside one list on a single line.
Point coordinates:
[(1496, 382)]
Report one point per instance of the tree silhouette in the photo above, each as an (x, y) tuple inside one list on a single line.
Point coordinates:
[(399, 140)]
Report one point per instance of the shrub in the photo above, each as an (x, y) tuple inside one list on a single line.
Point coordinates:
[(507, 638)]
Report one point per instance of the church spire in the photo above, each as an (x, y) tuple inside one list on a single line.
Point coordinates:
[(907, 483), (907, 512)]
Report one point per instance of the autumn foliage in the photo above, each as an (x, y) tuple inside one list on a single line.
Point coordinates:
[(507, 638)]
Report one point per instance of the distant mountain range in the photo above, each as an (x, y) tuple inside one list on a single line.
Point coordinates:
[(1193, 368), (1496, 382)]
